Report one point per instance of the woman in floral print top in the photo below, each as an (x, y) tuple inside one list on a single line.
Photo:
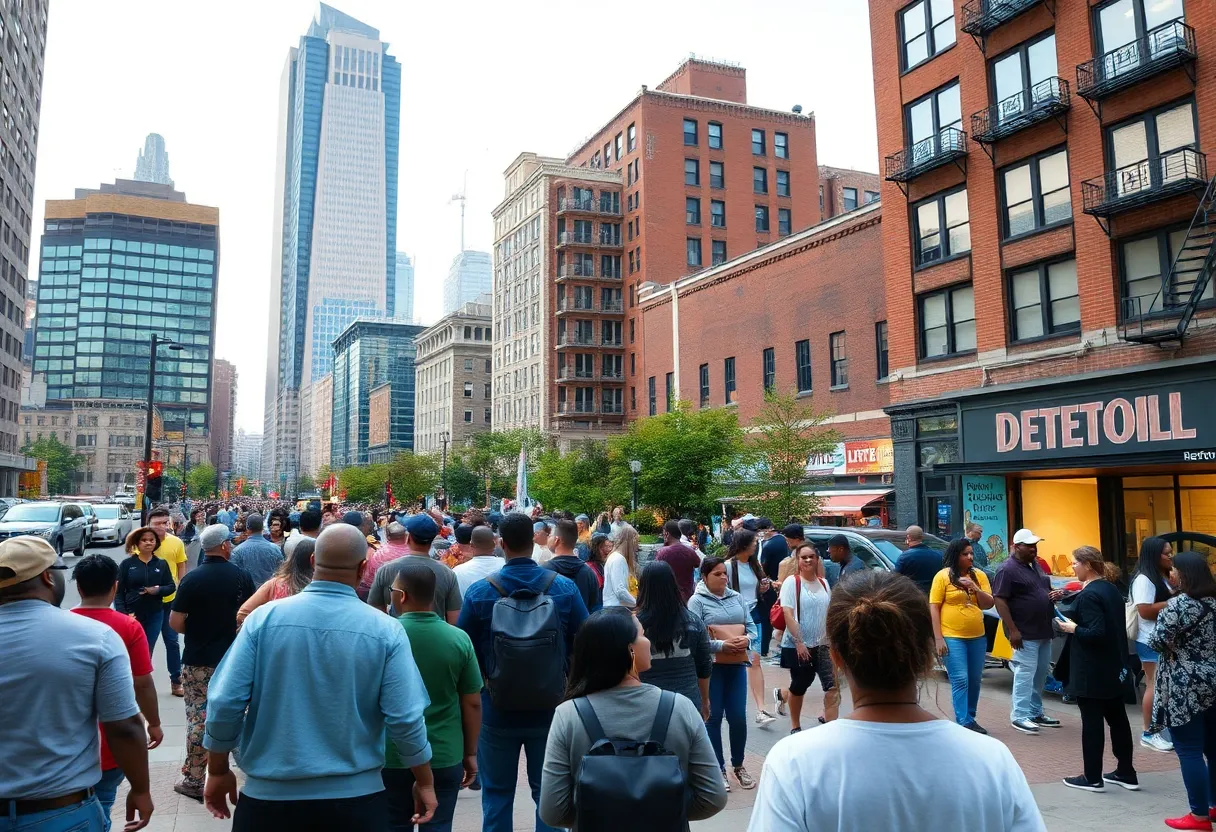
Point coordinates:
[(1185, 699)]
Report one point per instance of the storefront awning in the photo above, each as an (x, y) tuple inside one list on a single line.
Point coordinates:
[(843, 502)]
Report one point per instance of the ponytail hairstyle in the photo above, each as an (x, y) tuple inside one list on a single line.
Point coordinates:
[(879, 625), (955, 550), (1092, 557)]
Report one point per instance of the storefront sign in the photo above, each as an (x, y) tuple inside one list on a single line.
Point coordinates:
[(985, 504), (866, 456), (1132, 420)]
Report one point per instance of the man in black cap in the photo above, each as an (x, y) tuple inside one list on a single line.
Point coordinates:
[(420, 532)]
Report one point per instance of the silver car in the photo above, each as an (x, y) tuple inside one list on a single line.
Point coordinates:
[(113, 524)]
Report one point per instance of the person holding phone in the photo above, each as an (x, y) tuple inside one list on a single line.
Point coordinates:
[(958, 597)]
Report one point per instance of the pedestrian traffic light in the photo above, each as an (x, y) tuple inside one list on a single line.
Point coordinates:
[(182, 489), (153, 484)]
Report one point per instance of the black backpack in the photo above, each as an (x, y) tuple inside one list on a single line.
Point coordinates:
[(526, 666), (627, 784)]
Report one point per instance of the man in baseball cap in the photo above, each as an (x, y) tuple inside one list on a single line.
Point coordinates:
[(420, 533), (49, 768)]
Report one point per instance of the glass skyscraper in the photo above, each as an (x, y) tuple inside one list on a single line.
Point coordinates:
[(336, 213), (469, 277), (403, 308)]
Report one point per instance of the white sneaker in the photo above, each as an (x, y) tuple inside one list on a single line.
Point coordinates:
[(781, 709), (764, 718), (1156, 742)]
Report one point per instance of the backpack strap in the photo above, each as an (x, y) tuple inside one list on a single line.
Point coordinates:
[(662, 718), (492, 580), (733, 567), (591, 723), (548, 581)]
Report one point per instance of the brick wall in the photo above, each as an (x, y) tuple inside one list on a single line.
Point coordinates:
[(833, 181)]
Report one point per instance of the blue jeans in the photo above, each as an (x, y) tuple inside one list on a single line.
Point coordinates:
[(1030, 667), (965, 667), (107, 790), (151, 622), (728, 695), (83, 817), (1192, 743), (498, 762), (399, 787)]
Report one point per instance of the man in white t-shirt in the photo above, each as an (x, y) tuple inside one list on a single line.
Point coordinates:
[(483, 562), (541, 553)]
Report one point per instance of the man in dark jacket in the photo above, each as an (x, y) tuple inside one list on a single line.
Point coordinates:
[(919, 562), (567, 563)]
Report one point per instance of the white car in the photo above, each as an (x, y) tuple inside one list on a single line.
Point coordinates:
[(113, 524)]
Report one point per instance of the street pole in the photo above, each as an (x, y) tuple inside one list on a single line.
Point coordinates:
[(635, 467), (143, 515), (444, 477)]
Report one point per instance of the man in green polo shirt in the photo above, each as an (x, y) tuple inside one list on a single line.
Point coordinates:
[(445, 658)]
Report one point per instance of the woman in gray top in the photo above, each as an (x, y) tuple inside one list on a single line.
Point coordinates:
[(610, 653), (680, 660)]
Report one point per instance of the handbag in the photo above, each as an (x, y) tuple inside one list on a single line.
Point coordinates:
[(1131, 617), (776, 615), (725, 632)]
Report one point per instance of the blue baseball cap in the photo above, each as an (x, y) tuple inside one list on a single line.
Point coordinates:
[(422, 529)]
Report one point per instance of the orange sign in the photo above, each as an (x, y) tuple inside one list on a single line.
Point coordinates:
[(869, 456)]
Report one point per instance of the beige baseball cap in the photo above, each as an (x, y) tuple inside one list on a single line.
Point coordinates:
[(27, 556)]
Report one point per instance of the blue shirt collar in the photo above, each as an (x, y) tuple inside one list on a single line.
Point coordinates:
[(521, 563), (330, 588)]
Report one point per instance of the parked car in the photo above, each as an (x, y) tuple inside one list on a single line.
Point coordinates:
[(114, 523), (90, 516), (877, 548), (64, 525)]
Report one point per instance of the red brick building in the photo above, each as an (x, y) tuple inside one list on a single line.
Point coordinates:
[(1048, 274), (842, 190)]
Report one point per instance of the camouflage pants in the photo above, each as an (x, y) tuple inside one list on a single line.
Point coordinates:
[(195, 680)]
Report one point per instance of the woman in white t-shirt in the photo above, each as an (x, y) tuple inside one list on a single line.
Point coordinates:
[(936, 774), (621, 569), (1150, 593), (804, 645)]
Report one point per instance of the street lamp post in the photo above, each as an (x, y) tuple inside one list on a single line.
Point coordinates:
[(445, 437), (635, 468), (157, 341)]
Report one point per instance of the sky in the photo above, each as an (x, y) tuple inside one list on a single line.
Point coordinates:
[(482, 82)]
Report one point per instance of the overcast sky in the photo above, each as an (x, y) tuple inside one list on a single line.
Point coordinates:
[(482, 81)]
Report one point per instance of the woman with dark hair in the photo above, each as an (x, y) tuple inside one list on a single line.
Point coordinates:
[(143, 582), (1185, 700), (190, 533), (731, 629), (1094, 668), (610, 654), (680, 660), (293, 575), (881, 635), (1150, 591), (601, 548), (804, 651), (957, 598), (747, 577)]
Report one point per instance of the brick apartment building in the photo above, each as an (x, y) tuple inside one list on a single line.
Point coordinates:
[(805, 314), (842, 190), (1048, 274)]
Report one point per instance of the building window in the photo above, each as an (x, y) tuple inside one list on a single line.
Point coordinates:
[(620, 147), (670, 381), (802, 357), (783, 183), (759, 181), (758, 148), (840, 359), (927, 118), (717, 252), (717, 213), (486, 394), (693, 246), (1036, 193), (690, 132), (881, 349), (1143, 150), (762, 218), (715, 135), (947, 321), (1121, 23), (468, 365), (1045, 300), (728, 379), (704, 377), (468, 416), (692, 210), (1016, 75), (489, 366), (783, 221), (650, 391), (717, 179), (943, 227), (781, 145), (770, 369), (926, 28), (1146, 264), (631, 139), (468, 389), (692, 172), (850, 199), (871, 196)]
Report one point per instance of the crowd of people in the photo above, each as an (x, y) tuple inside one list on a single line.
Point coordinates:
[(362, 669)]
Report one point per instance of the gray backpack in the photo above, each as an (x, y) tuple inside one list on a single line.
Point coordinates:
[(526, 665)]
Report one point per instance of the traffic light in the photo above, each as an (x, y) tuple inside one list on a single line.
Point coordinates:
[(153, 486), (182, 491)]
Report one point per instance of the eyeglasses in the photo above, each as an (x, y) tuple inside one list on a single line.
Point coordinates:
[(396, 591)]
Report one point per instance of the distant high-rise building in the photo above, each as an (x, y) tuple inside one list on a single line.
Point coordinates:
[(153, 162), (247, 455), (470, 276), (223, 413), (403, 307), (453, 372), (335, 251), (373, 392)]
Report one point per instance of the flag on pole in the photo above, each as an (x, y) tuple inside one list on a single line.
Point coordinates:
[(522, 502)]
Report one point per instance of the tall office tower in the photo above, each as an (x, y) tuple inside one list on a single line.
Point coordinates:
[(469, 277), (335, 256), (247, 455), (153, 162), (403, 307), (223, 413)]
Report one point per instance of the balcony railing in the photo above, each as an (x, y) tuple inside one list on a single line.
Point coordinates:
[(610, 409), (589, 409), (1160, 49), (1156, 178), (611, 344), (571, 306), (1046, 99), (588, 206), (941, 149), (574, 238), (567, 374), (982, 17), (610, 240), (575, 272), (572, 340)]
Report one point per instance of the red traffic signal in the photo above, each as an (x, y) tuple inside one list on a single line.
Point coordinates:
[(155, 468)]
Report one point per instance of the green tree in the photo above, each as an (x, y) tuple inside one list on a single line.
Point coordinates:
[(62, 463), (494, 455), (413, 476), (772, 470), (464, 488), (363, 483), (579, 481), (305, 484), (200, 482), (683, 454)]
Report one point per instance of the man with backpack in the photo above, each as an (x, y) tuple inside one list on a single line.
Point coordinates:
[(522, 620), (566, 562)]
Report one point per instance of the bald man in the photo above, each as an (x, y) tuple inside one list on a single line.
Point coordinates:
[(312, 753), (919, 562), (484, 561)]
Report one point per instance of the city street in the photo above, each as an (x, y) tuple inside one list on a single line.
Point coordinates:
[(1045, 759)]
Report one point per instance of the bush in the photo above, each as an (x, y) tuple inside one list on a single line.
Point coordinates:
[(645, 521)]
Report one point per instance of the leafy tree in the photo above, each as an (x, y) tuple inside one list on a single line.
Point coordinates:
[(683, 453), (494, 455), (62, 463), (200, 482), (323, 474), (578, 481), (782, 437), (305, 484), (413, 476), (364, 483), (464, 489)]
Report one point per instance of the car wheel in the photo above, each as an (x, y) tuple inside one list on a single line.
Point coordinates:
[(59, 546), (79, 550)]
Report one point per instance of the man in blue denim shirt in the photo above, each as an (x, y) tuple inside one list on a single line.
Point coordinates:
[(504, 732)]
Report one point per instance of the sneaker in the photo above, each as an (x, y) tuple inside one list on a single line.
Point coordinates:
[(186, 790), (726, 781), (795, 730), (764, 718), (1129, 782), (822, 721), (1156, 742), (745, 779), (976, 727), (1188, 821), (1044, 721), (1026, 726), (1079, 782), (781, 709)]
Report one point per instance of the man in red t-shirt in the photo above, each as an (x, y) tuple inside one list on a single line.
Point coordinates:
[(96, 578), (682, 559)]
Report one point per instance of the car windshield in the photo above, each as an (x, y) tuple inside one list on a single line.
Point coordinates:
[(107, 512), (32, 514)]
